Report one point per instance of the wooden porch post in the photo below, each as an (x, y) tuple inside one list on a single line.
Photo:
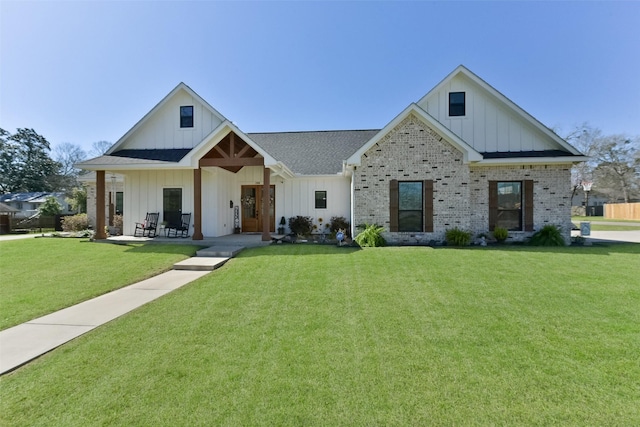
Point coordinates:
[(197, 204), (266, 221), (100, 233)]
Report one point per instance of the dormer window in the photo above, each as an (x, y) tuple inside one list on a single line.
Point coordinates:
[(186, 116), (456, 104)]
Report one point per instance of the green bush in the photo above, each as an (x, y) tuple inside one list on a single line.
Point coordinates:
[(500, 234), (370, 236), (339, 223), (50, 207), (75, 223), (457, 237), (301, 225), (549, 235)]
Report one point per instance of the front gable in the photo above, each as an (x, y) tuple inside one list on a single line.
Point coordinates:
[(162, 129), (491, 123), (413, 110)]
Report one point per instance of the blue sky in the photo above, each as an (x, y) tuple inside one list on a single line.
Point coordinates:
[(81, 72)]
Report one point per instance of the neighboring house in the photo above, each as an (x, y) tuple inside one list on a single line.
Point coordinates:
[(27, 204), (462, 156)]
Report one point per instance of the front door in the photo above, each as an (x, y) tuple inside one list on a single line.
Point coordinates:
[(251, 203), (172, 206)]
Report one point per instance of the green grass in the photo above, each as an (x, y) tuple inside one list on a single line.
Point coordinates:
[(577, 219), (318, 335), (606, 227), (42, 275)]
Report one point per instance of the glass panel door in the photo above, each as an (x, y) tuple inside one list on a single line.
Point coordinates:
[(249, 205), (172, 206)]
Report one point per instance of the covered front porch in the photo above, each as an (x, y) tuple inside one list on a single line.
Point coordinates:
[(209, 182)]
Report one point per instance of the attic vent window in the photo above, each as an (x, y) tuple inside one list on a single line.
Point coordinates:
[(186, 116), (456, 104)]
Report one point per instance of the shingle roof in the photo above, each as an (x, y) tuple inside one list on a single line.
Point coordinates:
[(313, 153)]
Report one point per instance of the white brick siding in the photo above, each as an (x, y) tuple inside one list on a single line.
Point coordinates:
[(413, 152)]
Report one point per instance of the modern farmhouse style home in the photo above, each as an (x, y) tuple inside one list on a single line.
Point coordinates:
[(462, 156)]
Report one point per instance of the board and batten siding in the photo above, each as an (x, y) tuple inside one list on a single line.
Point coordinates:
[(488, 126), (295, 196), (143, 193), (162, 129), (299, 198)]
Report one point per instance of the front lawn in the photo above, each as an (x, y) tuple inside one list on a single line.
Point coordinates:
[(42, 275), (318, 335)]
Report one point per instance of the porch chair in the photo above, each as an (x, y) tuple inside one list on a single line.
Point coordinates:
[(149, 227), (182, 229)]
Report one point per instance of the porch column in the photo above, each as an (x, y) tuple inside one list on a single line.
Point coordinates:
[(266, 222), (100, 233), (197, 204)]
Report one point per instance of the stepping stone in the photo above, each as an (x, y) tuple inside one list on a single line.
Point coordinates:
[(200, 263)]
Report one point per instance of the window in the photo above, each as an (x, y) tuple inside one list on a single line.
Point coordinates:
[(186, 116), (511, 205), (456, 104), (119, 202), (411, 206), (321, 200)]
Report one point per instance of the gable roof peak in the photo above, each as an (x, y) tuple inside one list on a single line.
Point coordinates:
[(182, 86)]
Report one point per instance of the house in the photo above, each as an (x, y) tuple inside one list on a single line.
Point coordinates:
[(462, 156), (28, 204)]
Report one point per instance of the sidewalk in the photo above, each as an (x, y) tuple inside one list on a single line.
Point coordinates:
[(23, 343)]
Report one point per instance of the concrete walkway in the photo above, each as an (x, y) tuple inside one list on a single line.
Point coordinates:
[(23, 343)]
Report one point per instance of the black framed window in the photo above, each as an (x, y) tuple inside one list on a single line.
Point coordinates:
[(321, 200), (509, 203), (186, 116), (410, 206), (119, 202), (457, 104)]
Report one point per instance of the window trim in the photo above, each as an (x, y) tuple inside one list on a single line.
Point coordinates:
[(323, 199), (184, 125), (464, 104)]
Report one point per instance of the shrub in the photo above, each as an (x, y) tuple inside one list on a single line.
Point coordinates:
[(370, 236), (117, 221), (75, 223), (301, 225), (549, 235), (339, 223), (457, 237), (50, 207), (500, 234)]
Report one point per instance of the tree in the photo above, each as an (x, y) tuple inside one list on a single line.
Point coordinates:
[(50, 207), (25, 164), (613, 165), (67, 155), (618, 170), (98, 148), (78, 199)]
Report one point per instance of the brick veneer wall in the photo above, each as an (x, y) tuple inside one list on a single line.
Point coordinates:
[(413, 151)]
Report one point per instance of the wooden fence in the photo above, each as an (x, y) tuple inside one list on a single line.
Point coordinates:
[(622, 211)]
